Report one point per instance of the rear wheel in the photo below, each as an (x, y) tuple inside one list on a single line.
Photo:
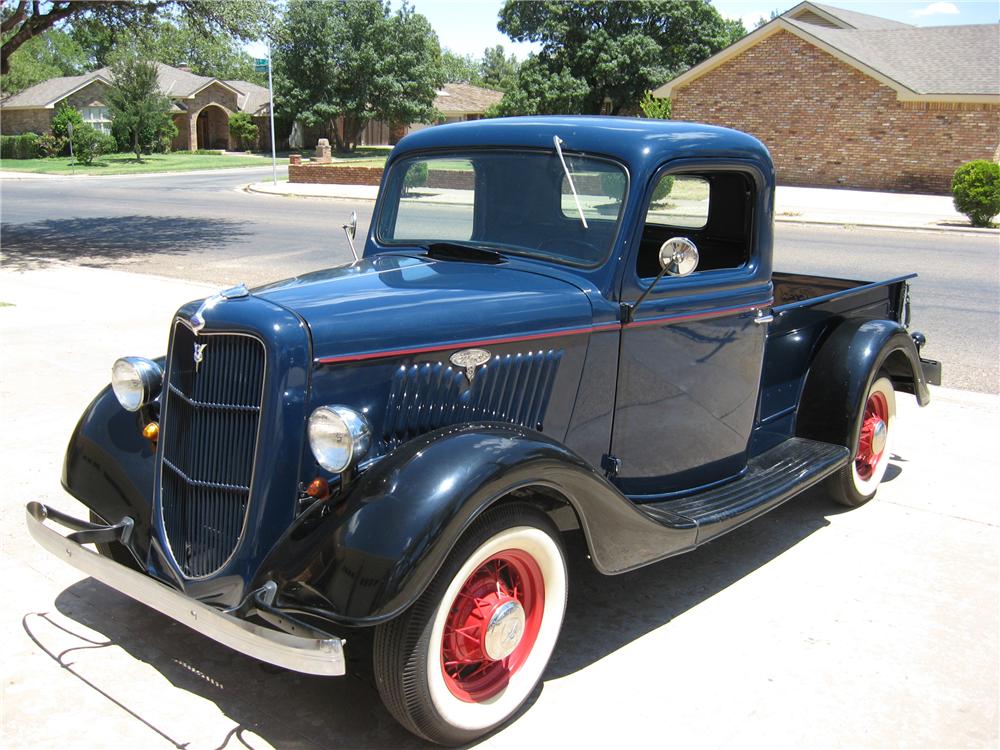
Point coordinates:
[(857, 482), (465, 657)]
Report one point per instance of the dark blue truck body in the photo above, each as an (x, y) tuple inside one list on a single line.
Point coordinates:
[(653, 427)]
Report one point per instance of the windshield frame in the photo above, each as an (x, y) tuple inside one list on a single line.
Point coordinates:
[(391, 192)]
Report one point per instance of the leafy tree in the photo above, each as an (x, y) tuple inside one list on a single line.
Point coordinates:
[(460, 68), (356, 61), (174, 42), (537, 89), (243, 19), (611, 52), (243, 129), (496, 70), (761, 21), (135, 101), (50, 55), (89, 143), (656, 109)]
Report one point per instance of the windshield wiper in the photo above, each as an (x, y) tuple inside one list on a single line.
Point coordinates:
[(569, 178), (461, 251)]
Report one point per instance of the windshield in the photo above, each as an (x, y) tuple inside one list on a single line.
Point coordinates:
[(516, 202)]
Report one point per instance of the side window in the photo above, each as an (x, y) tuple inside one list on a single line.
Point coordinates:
[(712, 209)]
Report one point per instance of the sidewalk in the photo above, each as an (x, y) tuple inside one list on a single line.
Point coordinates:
[(792, 204)]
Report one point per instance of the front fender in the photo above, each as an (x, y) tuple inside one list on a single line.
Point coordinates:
[(842, 372), (109, 465), (370, 555)]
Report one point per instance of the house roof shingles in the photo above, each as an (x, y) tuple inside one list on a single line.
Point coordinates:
[(942, 63), (924, 59), (173, 82), (464, 98), (858, 20)]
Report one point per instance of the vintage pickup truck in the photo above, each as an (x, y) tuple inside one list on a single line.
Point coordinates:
[(556, 324)]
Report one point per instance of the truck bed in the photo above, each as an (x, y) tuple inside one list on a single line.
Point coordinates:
[(806, 308)]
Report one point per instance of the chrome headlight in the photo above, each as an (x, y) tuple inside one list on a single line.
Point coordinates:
[(136, 381), (338, 437)]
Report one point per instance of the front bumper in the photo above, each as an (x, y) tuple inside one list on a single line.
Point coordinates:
[(321, 656)]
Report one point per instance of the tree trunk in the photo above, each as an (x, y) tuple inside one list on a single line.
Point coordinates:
[(135, 143)]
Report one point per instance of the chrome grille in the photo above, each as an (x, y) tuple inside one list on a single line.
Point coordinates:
[(209, 433), (512, 388)]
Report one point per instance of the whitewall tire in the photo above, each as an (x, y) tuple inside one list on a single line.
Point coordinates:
[(469, 653)]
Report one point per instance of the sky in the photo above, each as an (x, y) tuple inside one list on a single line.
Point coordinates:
[(470, 26)]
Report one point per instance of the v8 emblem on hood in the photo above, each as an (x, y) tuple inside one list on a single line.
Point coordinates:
[(470, 359)]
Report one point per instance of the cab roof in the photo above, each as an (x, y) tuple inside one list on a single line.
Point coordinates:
[(640, 143)]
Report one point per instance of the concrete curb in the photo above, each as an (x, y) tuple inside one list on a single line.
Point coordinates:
[(26, 176)]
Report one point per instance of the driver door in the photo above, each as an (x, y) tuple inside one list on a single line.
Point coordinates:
[(690, 358)]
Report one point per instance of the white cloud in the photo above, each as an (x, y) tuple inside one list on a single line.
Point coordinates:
[(937, 9)]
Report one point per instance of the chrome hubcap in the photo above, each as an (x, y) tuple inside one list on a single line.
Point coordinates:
[(879, 435), (504, 631)]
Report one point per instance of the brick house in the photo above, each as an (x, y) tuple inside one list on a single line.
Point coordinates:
[(200, 106), (851, 100)]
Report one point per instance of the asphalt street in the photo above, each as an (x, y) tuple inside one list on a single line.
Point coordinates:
[(203, 228)]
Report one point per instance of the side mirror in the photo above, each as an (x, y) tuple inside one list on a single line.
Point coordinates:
[(678, 257), (351, 230)]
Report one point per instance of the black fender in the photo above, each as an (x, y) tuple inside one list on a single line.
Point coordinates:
[(844, 369), (109, 465), (362, 558)]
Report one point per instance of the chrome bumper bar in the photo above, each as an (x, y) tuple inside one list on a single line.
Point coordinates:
[(322, 656)]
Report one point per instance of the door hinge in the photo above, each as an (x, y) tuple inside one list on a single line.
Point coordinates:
[(611, 465), (625, 313)]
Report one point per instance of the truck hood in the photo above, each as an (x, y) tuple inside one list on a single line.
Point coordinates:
[(393, 303)]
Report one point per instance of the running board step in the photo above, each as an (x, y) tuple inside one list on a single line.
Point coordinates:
[(771, 478)]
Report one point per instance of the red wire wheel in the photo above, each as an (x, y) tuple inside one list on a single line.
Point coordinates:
[(874, 433), (492, 625)]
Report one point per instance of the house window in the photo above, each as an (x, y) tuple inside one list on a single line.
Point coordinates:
[(98, 118)]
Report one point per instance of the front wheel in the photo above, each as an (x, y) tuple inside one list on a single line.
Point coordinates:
[(466, 656), (857, 482)]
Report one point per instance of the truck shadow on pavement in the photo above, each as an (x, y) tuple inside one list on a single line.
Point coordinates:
[(112, 240), (289, 709)]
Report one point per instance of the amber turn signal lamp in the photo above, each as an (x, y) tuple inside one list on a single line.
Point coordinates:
[(151, 432), (318, 488)]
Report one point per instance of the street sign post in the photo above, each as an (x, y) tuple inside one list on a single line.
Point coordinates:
[(261, 65)]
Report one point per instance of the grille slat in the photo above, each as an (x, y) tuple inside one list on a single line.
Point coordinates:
[(209, 432), (510, 388)]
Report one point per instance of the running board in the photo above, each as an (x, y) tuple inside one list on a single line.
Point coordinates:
[(772, 478)]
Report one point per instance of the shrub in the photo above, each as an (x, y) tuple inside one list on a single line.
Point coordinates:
[(656, 109), (23, 146), (51, 144), (89, 143), (663, 189), (976, 191), (63, 117), (243, 129), (416, 176)]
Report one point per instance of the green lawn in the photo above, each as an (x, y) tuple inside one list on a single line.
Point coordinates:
[(126, 163)]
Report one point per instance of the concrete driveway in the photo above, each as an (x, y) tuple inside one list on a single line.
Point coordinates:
[(811, 627)]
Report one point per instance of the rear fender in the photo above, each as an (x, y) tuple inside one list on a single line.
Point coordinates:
[(363, 558), (844, 369)]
